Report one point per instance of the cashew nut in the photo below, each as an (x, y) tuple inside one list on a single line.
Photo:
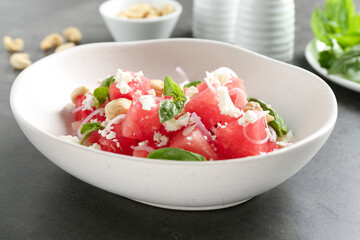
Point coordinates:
[(77, 92), (256, 106), (20, 61), (117, 107), (50, 41), (158, 86), (140, 10), (167, 9), (65, 46), (13, 45), (72, 34), (252, 106)]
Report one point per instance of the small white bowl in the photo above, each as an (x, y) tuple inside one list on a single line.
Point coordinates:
[(40, 111), (123, 29)]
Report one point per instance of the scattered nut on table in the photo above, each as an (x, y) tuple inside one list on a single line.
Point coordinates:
[(13, 45), (51, 41), (77, 92), (158, 86), (117, 107), (65, 46), (72, 34), (20, 61), (145, 10)]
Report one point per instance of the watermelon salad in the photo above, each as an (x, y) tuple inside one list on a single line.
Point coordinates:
[(213, 119)]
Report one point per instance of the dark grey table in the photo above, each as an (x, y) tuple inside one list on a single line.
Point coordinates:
[(40, 201)]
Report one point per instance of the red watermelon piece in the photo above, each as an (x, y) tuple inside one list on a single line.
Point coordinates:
[(194, 142), (234, 144)]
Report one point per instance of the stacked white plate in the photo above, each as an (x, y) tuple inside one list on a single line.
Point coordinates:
[(215, 19), (267, 27)]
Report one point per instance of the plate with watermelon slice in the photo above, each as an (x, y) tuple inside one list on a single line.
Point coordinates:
[(178, 123)]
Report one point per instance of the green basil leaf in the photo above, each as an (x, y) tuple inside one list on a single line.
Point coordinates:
[(171, 89), (88, 128), (192, 84), (108, 81), (278, 124), (321, 27), (101, 94), (175, 154), (326, 58), (170, 109), (348, 63)]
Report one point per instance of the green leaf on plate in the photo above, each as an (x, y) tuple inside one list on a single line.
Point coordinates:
[(101, 95)]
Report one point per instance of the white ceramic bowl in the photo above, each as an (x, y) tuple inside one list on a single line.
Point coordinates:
[(139, 29), (38, 108)]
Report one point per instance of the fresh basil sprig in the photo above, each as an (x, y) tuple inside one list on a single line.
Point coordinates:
[(192, 84), (108, 81), (88, 128), (278, 124), (101, 94), (175, 154), (170, 108)]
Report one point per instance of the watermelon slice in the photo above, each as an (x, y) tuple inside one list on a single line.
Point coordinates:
[(194, 142), (143, 86), (233, 143), (139, 123)]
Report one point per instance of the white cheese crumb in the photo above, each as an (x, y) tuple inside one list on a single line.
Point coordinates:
[(205, 137), (226, 106), (224, 76), (111, 135), (162, 140), (191, 92), (175, 124), (94, 120), (189, 138), (144, 143), (148, 102), (138, 92), (105, 122), (122, 79), (189, 143), (212, 78), (95, 146), (285, 140), (88, 102), (152, 92), (249, 117), (70, 138)]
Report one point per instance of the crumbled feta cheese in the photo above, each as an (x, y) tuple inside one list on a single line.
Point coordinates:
[(95, 146), (162, 140), (94, 120), (138, 75), (285, 140), (226, 106), (70, 138), (88, 102), (191, 92), (111, 135), (148, 102), (212, 79), (175, 124), (152, 92), (144, 143), (123, 87), (249, 117), (189, 143), (122, 79), (105, 122), (117, 144), (224, 76), (205, 137), (189, 138), (138, 92)]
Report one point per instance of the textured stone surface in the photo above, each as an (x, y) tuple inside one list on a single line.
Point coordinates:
[(40, 201)]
